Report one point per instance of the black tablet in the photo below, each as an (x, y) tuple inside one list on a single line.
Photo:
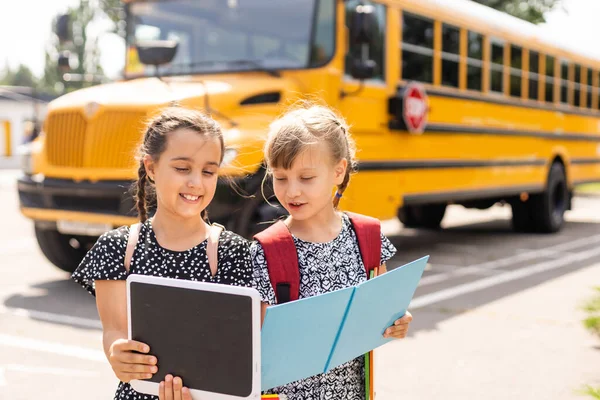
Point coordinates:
[(207, 334)]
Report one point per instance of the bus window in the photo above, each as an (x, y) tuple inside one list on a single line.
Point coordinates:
[(497, 65), (534, 67), (263, 45), (577, 97), (516, 61), (590, 89), (598, 88), (450, 55), (564, 81), (474, 61), (324, 34), (376, 47), (549, 79), (417, 48)]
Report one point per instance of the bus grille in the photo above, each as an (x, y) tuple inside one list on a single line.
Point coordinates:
[(65, 138), (107, 141)]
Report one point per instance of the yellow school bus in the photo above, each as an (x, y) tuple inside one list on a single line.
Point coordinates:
[(450, 102)]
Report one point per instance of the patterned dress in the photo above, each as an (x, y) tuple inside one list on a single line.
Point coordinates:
[(324, 267), (106, 261)]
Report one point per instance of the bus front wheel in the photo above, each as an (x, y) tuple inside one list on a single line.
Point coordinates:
[(59, 249), (427, 216)]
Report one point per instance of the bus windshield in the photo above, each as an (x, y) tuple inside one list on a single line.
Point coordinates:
[(234, 35)]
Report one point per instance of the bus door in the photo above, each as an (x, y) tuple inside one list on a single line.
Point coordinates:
[(364, 104)]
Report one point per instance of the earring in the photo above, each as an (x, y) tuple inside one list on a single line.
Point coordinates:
[(151, 180)]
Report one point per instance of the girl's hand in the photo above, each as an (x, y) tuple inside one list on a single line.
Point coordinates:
[(128, 365), (400, 327), (172, 389)]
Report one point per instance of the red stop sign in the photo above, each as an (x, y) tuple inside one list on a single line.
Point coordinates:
[(415, 108)]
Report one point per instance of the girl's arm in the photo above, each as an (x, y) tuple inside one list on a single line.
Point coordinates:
[(111, 300)]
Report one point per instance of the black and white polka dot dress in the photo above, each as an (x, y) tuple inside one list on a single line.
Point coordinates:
[(324, 267), (105, 261)]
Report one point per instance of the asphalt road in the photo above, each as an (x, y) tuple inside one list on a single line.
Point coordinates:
[(50, 338)]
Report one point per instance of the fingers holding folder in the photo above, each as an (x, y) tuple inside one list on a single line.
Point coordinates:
[(400, 327)]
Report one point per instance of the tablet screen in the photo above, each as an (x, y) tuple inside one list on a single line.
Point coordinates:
[(203, 337)]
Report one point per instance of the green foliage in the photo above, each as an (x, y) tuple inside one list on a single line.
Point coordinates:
[(84, 50), (22, 76), (593, 392), (592, 307), (529, 10)]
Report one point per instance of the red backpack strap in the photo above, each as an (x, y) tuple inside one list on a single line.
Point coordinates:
[(282, 261), (368, 234)]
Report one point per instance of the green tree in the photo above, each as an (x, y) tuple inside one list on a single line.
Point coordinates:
[(529, 10), (22, 76), (5, 73), (84, 50), (113, 9), (51, 81)]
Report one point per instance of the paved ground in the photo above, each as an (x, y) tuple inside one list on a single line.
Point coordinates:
[(529, 345), (496, 314)]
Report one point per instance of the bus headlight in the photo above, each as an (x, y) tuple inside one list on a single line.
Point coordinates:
[(26, 155), (26, 158)]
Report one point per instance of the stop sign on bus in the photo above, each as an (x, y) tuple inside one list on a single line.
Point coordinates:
[(409, 107), (415, 108)]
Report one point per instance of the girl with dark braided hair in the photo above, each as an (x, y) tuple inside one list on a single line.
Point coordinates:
[(179, 161)]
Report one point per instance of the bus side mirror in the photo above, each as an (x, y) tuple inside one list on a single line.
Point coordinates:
[(63, 28), (363, 70), (361, 24), (156, 52)]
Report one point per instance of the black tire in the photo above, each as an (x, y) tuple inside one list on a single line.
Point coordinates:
[(257, 216), (548, 208), (58, 250), (521, 217), (428, 216), (544, 212)]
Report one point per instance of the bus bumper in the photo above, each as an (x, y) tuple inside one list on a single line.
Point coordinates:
[(51, 199), (112, 202)]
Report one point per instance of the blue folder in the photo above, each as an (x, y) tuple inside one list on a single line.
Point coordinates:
[(313, 335)]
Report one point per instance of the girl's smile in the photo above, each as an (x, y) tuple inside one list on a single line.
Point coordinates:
[(295, 206), (191, 199)]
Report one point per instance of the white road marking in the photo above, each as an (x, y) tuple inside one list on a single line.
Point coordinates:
[(48, 370), (53, 317), (510, 260), (52, 347), (485, 283)]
